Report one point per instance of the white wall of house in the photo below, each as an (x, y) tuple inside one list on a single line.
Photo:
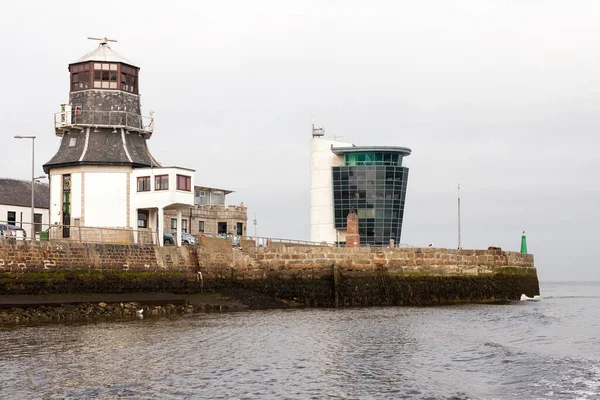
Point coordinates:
[(106, 199), (55, 198), (160, 198), (99, 195), (23, 215), (76, 193), (321, 188), (156, 201)]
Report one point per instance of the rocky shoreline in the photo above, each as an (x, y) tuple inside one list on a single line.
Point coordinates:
[(102, 310)]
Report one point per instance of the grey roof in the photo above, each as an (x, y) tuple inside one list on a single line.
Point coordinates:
[(104, 147), (104, 54), (15, 192), (405, 151)]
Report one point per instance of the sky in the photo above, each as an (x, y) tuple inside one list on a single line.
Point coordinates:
[(499, 96)]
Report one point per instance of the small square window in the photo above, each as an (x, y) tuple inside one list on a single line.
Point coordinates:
[(143, 184), (161, 182), (72, 142)]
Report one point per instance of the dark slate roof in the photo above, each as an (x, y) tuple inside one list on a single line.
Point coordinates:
[(104, 147), (15, 192)]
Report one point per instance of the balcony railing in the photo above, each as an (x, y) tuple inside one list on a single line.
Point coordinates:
[(132, 122)]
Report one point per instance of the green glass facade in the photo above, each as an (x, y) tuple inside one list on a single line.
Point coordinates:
[(372, 158)]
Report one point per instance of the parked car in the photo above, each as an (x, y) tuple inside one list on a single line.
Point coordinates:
[(12, 232), (186, 238), (168, 239)]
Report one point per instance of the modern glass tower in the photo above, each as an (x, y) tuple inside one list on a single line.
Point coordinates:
[(370, 180)]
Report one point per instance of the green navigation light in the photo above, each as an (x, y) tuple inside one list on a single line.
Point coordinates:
[(524, 243)]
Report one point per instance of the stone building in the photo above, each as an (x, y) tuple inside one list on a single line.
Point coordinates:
[(372, 180), (103, 174), (211, 215)]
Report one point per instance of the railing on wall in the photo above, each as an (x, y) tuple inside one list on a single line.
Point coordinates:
[(84, 234), (104, 119)]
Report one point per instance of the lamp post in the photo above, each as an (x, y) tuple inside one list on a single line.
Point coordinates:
[(32, 231)]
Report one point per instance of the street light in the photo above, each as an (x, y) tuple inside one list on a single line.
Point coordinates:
[(32, 179)]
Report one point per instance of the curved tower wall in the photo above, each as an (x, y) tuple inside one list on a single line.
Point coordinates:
[(321, 188)]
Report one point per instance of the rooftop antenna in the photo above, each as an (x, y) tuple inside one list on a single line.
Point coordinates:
[(318, 132), (103, 41)]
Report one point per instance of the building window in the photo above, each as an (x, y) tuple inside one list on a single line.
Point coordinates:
[(240, 229), (37, 220), (184, 183), (72, 142), (201, 226), (105, 76), (11, 218), (222, 228), (200, 197), (128, 79), (217, 198), (80, 77), (184, 225), (161, 182), (143, 184), (173, 225), (143, 218)]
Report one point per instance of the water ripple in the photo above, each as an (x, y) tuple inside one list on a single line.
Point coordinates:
[(528, 350)]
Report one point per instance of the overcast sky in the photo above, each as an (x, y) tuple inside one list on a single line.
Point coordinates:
[(501, 96)]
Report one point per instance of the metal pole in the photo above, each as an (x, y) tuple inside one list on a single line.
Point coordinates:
[(255, 237), (459, 241), (32, 237)]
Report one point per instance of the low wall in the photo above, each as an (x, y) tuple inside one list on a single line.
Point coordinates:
[(303, 275)]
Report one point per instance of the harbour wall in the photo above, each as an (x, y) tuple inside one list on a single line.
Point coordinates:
[(316, 276)]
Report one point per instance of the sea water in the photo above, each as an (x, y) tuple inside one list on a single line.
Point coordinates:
[(545, 349)]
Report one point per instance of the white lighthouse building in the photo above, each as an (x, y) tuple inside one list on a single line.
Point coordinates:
[(103, 179)]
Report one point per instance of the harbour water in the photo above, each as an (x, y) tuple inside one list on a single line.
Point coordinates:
[(547, 349)]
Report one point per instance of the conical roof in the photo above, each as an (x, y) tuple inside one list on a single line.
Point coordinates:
[(104, 53)]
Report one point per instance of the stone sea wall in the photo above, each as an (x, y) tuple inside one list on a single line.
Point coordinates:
[(301, 276)]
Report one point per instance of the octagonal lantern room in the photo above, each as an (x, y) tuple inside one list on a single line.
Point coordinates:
[(104, 68)]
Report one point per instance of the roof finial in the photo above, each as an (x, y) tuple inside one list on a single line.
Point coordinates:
[(103, 41)]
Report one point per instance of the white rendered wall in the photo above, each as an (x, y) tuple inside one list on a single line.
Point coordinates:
[(23, 215), (106, 199), (153, 198), (75, 196), (321, 188), (55, 200)]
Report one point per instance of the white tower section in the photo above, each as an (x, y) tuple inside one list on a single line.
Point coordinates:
[(321, 187)]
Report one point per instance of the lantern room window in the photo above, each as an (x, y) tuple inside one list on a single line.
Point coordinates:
[(80, 77), (100, 75), (129, 79), (105, 76)]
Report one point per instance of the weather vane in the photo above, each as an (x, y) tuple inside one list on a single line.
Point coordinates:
[(103, 40)]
